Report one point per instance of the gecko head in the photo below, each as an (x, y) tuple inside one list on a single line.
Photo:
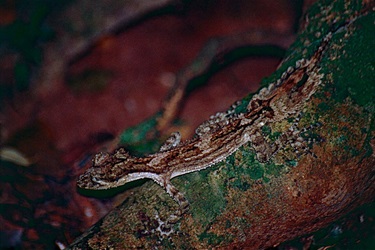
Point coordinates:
[(88, 180), (105, 170)]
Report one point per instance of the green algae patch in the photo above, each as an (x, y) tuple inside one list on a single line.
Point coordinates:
[(243, 168), (211, 238), (352, 77), (256, 172), (349, 91), (205, 191)]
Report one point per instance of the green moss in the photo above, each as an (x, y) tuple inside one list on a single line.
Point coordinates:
[(291, 163), (250, 169), (250, 166), (240, 184), (256, 172), (228, 224), (230, 160), (323, 107), (205, 192), (274, 136), (266, 180), (272, 169), (353, 70), (211, 238), (266, 130)]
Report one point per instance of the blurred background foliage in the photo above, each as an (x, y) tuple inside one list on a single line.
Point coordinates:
[(23, 32)]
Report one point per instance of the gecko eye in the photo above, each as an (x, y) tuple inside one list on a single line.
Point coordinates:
[(100, 159)]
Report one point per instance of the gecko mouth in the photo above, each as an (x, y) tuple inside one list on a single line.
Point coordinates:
[(85, 181), (88, 181)]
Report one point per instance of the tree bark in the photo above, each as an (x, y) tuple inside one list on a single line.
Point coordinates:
[(244, 203)]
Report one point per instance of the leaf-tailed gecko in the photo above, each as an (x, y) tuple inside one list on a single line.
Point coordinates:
[(215, 139)]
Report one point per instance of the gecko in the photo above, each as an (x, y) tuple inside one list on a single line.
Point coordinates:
[(214, 140)]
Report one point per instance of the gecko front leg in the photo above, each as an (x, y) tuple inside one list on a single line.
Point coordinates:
[(179, 198), (165, 180), (183, 203), (165, 226)]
